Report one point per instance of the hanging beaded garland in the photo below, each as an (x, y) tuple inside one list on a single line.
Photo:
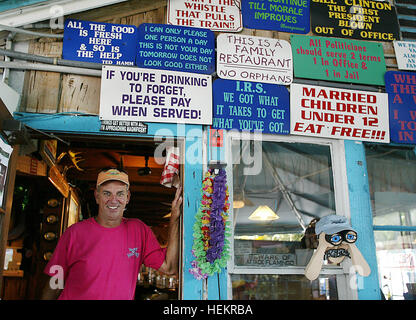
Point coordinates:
[(211, 247)]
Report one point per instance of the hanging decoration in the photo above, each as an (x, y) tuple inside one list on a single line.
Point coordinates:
[(211, 247)]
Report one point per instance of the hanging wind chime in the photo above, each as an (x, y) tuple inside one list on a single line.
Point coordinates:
[(211, 247)]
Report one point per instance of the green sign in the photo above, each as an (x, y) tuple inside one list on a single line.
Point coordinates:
[(335, 59)]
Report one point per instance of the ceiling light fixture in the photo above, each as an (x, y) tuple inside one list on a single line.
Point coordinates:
[(238, 204), (263, 213)]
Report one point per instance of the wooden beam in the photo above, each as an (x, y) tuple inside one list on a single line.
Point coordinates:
[(118, 11)]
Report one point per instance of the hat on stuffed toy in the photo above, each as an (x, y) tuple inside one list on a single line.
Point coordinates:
[(332, 224)]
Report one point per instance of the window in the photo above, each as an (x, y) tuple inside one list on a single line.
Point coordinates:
[(279, 187), (392, 180), (283, 287), (406, 10)]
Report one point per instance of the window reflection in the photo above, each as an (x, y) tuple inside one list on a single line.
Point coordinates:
[(392, 182), (396, 257), (293, 181)]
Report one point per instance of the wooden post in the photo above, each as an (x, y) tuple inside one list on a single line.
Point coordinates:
[(8, 200), (361, 217)]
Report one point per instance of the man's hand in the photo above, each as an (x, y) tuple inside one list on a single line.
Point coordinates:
[(176, 205), (170, 265)]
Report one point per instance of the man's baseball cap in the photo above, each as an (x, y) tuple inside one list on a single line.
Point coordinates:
[(112, 174), (332, 224)]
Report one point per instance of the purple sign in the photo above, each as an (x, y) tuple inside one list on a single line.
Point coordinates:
[(401, 88), (402, 118)]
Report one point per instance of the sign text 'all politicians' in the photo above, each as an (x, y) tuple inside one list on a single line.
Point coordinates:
[(355, 59)]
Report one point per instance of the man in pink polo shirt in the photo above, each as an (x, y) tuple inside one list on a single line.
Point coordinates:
[(99, 258)]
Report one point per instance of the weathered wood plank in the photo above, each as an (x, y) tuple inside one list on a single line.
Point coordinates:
[(80, 94), (42, 89), (121, 10)]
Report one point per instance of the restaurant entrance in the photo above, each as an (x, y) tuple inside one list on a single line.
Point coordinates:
[(49, 199)]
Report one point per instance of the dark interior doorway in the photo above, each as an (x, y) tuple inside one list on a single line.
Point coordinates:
[(36, 199)]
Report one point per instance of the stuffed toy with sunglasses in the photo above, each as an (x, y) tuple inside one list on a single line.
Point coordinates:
[(336, 241)]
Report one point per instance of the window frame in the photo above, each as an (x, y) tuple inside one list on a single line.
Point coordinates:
[(342, 207), (394, 228), (382, 227)]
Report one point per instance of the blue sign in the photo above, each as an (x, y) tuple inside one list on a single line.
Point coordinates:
[(251, 106), (402, 117), (280, 15), (401, 88), (99, 42), (176, 48), (399, 82)]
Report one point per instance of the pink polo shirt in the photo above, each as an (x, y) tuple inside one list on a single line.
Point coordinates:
[(102, 263)]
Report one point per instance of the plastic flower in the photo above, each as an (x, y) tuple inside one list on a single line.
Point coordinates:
[(211, 247)]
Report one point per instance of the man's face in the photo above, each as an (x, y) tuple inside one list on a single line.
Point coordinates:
[(112, 197)]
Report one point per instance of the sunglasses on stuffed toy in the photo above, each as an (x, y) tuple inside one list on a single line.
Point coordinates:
[(345, 235)]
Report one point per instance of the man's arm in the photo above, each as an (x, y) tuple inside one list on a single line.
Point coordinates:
[(170, 265), (50, 294)]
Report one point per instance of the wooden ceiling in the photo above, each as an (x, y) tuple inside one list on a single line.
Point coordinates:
[(150, 201)]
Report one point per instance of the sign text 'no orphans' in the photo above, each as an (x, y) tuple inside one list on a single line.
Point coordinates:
[(250, 58)]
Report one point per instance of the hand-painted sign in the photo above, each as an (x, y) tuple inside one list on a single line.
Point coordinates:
[(357, 19), (403, 118), (280, 15), (250, 58), (399, 83), (123, 126), (251, 106), (266, 260), (405, 54), (339, 113), (176, 48), (401, 88), (336, 59), (216, 15), (150, 95), (99, 42)]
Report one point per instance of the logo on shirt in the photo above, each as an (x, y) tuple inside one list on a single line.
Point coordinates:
[(133, 252)]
